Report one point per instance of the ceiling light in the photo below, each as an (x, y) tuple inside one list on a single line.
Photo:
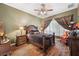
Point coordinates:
[(43, 13), (43, 10)]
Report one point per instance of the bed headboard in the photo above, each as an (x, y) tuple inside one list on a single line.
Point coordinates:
[(32, 28)]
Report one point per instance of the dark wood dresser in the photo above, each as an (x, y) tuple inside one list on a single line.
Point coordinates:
[(21, 40), (5, 48), (73, 44)]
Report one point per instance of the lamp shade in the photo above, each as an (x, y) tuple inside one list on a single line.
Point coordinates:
[(21, 28)]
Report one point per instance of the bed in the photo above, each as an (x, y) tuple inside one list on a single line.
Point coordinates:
[(39, 39)]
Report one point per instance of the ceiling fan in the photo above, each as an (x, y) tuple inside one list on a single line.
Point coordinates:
[(43, 10)]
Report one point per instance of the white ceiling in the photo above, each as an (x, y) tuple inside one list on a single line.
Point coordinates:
[(29, 8)]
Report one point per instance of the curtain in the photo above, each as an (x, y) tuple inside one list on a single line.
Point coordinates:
[(65, 21), (46, 23), (55, 27)]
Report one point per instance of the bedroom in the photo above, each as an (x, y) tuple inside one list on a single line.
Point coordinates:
[(17, 20)]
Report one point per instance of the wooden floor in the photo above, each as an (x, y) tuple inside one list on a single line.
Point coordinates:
[(27, 50), (30, 50)]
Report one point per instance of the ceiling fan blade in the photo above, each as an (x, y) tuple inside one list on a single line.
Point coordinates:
[(36, 10), (50, 10)]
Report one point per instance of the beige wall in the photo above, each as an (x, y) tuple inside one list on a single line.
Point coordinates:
[(13, 18)]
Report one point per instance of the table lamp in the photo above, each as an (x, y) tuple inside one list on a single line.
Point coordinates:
[(21, 28)]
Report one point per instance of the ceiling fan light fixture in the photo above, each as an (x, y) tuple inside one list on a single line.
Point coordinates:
[(43, 10), (43, 13)]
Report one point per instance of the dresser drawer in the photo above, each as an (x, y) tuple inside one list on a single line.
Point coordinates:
[(21, 40)]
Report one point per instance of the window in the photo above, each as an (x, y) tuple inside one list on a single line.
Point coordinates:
[(54, 27)]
